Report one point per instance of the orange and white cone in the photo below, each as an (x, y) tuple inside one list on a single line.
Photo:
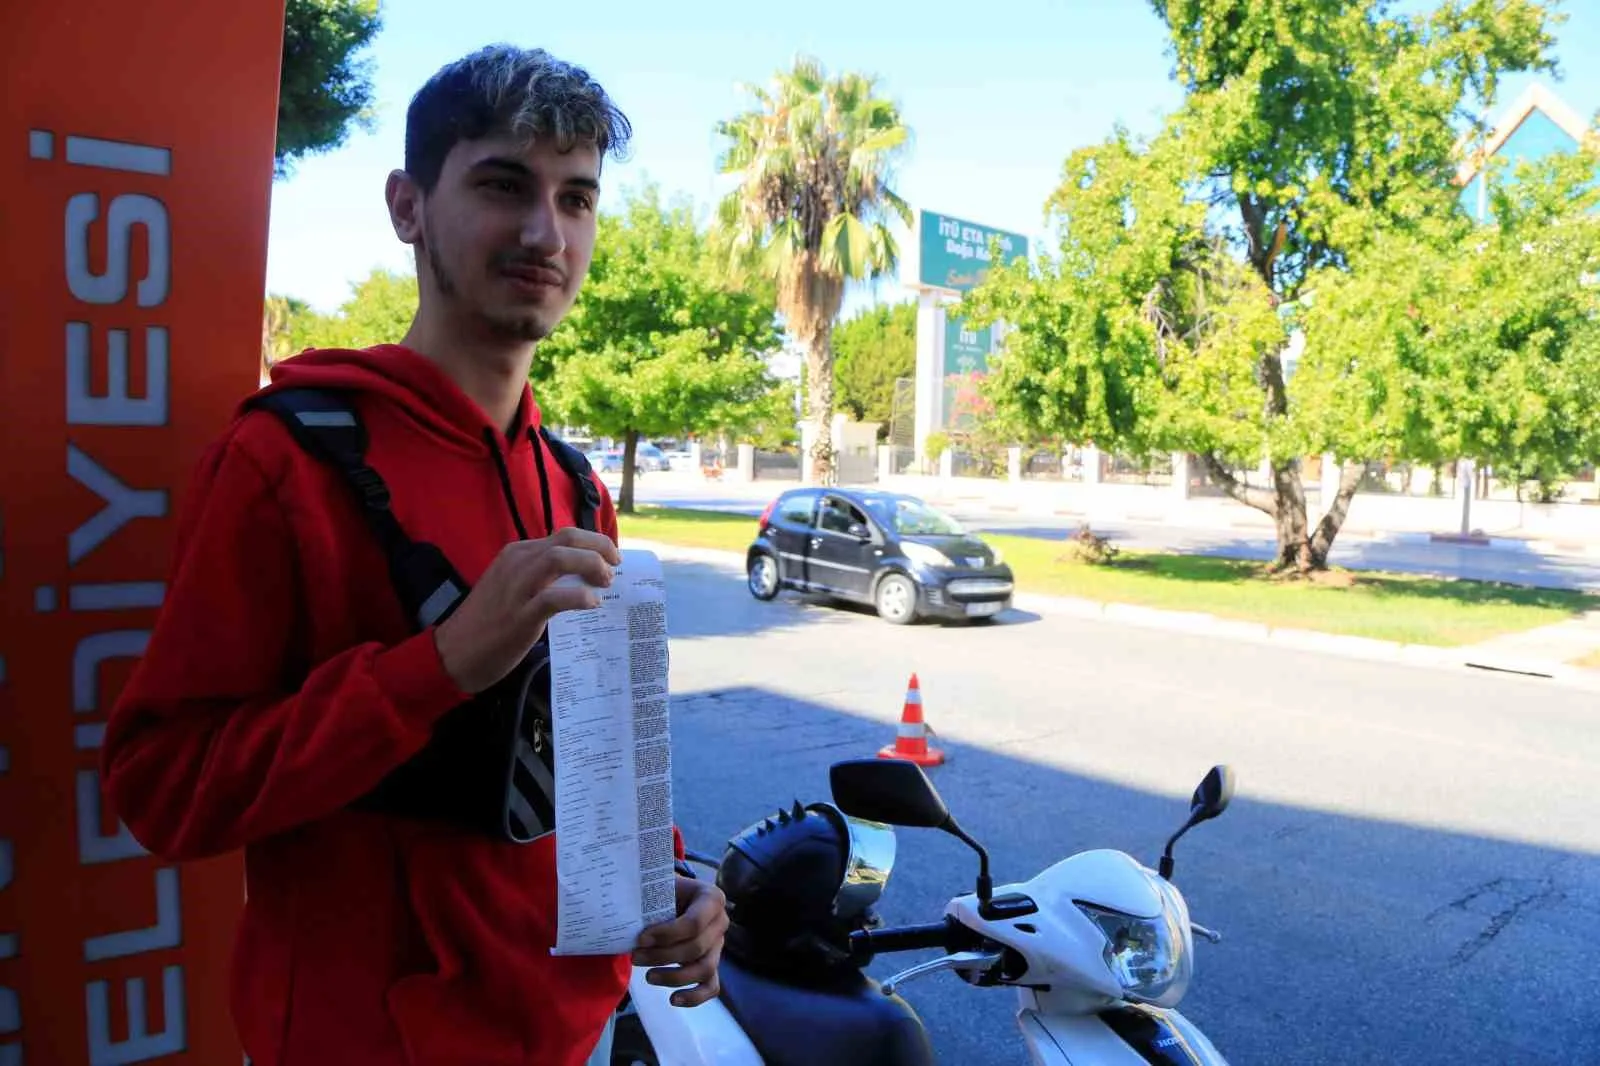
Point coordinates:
[(911, 743)]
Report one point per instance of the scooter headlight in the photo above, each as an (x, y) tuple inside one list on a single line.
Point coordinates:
[(1148, 956)]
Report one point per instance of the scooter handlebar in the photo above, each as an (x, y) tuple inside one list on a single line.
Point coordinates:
[(948, 936)]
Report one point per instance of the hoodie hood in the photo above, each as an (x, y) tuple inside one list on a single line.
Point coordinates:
[(416, 385)]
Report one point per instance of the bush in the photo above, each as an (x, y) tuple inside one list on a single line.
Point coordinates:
[(1086, 546)]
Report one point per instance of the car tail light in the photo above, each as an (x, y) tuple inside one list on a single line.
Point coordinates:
[(766, 515)]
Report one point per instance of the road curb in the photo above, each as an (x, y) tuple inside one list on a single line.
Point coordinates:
[(1198, 623)]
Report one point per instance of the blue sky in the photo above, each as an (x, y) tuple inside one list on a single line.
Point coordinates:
[(997, 95)]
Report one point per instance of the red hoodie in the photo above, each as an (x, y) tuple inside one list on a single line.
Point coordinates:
[(282, 681)]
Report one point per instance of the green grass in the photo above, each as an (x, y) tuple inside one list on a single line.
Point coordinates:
[(691, 529), (1410, 610)]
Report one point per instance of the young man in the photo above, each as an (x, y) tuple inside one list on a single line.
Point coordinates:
[(284, 681)]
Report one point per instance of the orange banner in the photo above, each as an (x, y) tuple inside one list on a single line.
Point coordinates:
[(135, 180)]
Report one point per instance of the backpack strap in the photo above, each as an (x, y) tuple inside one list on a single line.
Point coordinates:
[(577, 467), (325, 423)]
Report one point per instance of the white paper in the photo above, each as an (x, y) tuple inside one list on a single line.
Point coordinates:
[(613, 755)]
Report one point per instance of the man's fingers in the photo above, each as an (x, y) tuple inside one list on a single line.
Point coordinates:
[(680, 943), (696, 981), (552, 601), (555, 563), (588, 540), (693, 997), (694, 942), (697, 972)]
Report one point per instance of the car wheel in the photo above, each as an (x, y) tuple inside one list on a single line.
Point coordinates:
[(763, 573), (896, 599)]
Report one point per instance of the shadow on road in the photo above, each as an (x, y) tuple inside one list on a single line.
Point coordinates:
[(736, 612), (1011, 617), (1347, 939)]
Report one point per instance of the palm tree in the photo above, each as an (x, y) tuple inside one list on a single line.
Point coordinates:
[(814, 158), (277, 317)]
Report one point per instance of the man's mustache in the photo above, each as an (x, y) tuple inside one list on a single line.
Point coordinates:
[(516, 263)]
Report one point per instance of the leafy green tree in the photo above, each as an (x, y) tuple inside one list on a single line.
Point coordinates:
[(1309, 129), (324, 89), (1478, 342), (814, 158), (661, 340), (277, 325), (379, 311), (871, 352)]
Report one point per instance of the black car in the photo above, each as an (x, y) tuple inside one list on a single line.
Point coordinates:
[(891, 551)]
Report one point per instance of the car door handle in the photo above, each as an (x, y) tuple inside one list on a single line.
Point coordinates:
[(816, 542)]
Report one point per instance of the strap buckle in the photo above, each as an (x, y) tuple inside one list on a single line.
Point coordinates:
[(374, 493)]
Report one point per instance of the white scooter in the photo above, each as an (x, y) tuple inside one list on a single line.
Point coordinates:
[(1099, 947)]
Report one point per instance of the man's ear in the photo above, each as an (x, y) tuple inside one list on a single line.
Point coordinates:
[(405, 206)]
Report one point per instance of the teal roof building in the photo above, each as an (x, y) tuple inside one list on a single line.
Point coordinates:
[(1538, 124)]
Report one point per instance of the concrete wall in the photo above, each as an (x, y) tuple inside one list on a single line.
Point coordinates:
[(1368, 512)]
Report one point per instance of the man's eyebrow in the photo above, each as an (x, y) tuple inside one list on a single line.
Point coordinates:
[(517, 167), (498, 162)]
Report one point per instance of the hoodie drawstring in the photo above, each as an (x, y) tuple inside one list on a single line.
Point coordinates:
[(489, 438), (544, 481)]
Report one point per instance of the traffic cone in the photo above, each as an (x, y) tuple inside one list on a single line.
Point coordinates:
[(911, 743)]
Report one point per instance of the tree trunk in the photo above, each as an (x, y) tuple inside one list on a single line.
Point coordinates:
[(630, 449), (1294, 535), (1350, 475), (1285, 503), (819, 395)]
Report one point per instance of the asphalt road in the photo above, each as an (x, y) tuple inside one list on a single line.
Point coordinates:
[(1408, 872), (1392, 553)]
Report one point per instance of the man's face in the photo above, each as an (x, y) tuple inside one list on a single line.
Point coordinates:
[(507, 233)]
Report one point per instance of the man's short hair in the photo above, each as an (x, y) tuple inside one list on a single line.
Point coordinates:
[(501, 89)]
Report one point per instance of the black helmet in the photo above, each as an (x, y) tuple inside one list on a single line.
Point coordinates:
[(799, 882)]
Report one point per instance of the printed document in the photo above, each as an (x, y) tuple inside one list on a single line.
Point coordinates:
[(613, 755)]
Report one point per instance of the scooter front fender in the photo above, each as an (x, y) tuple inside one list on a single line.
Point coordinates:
[(1125, 1036), (706, 1035)]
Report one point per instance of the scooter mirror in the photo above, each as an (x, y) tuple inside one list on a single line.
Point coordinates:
[(889, 791), (1213, 795)]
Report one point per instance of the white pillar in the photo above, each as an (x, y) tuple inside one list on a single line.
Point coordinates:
[(747, 462), (1330, 480), (929, 389), (947, 464), (695, 453), (1014, 464), (885, 462), (1091, 465), (1180, 475)]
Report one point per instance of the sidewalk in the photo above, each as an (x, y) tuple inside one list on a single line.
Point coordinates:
[(1545, 653), (1566, 530)]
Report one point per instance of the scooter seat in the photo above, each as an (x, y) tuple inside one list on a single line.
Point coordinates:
[(843, 1021)]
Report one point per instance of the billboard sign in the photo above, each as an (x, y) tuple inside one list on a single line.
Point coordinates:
[(966, 350), (954, 254), (134, 269)]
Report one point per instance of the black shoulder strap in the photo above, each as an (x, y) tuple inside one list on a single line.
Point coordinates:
[(325, 423), (576, 464)]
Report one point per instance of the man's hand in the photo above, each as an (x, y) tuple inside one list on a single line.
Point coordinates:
[(507, 610), (686, 951)]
